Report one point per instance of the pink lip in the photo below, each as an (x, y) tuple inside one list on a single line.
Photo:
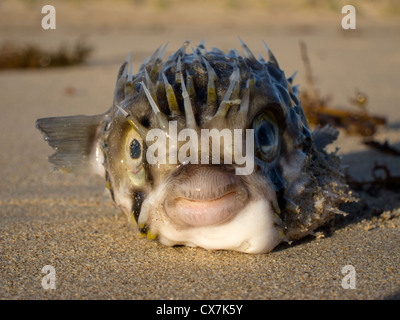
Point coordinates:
[(204, 196), (198, 213)]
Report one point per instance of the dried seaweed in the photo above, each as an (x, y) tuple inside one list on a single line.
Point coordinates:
[(318, 110), (384, 147), (13, 56)]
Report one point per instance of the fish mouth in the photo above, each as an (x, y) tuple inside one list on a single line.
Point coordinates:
[(204, 196)]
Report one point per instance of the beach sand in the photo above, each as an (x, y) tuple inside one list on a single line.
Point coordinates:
[(70, 223)]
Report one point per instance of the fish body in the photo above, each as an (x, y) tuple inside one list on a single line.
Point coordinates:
[(207, 149)]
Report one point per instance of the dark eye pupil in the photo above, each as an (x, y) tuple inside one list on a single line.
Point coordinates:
[(135, 149), (266, 135)]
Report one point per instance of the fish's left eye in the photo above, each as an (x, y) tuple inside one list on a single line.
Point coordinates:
[(266, 133)]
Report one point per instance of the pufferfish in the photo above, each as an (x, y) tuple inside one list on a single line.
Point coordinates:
[(294, 187)]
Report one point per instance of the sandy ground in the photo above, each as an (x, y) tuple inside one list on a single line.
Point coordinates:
[(67, 221)]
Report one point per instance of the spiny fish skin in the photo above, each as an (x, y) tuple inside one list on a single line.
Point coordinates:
[(295, 185)]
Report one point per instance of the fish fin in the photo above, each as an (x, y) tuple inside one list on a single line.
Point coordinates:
[(324, 136), (76, 140)]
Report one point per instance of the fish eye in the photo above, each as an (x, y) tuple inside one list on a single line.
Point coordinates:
[(133, 158), (266, 135), (135, 149)]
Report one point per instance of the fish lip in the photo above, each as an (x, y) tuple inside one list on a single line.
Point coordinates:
[(214, 198), (221, 202)]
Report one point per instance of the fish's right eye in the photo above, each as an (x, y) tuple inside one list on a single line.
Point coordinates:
[(135, 149), (133, 158)]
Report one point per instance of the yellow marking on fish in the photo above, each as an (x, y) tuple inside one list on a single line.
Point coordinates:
[(133, 219), (151, 236)]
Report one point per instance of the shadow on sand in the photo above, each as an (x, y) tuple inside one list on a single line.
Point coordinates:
[(374, 199)]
